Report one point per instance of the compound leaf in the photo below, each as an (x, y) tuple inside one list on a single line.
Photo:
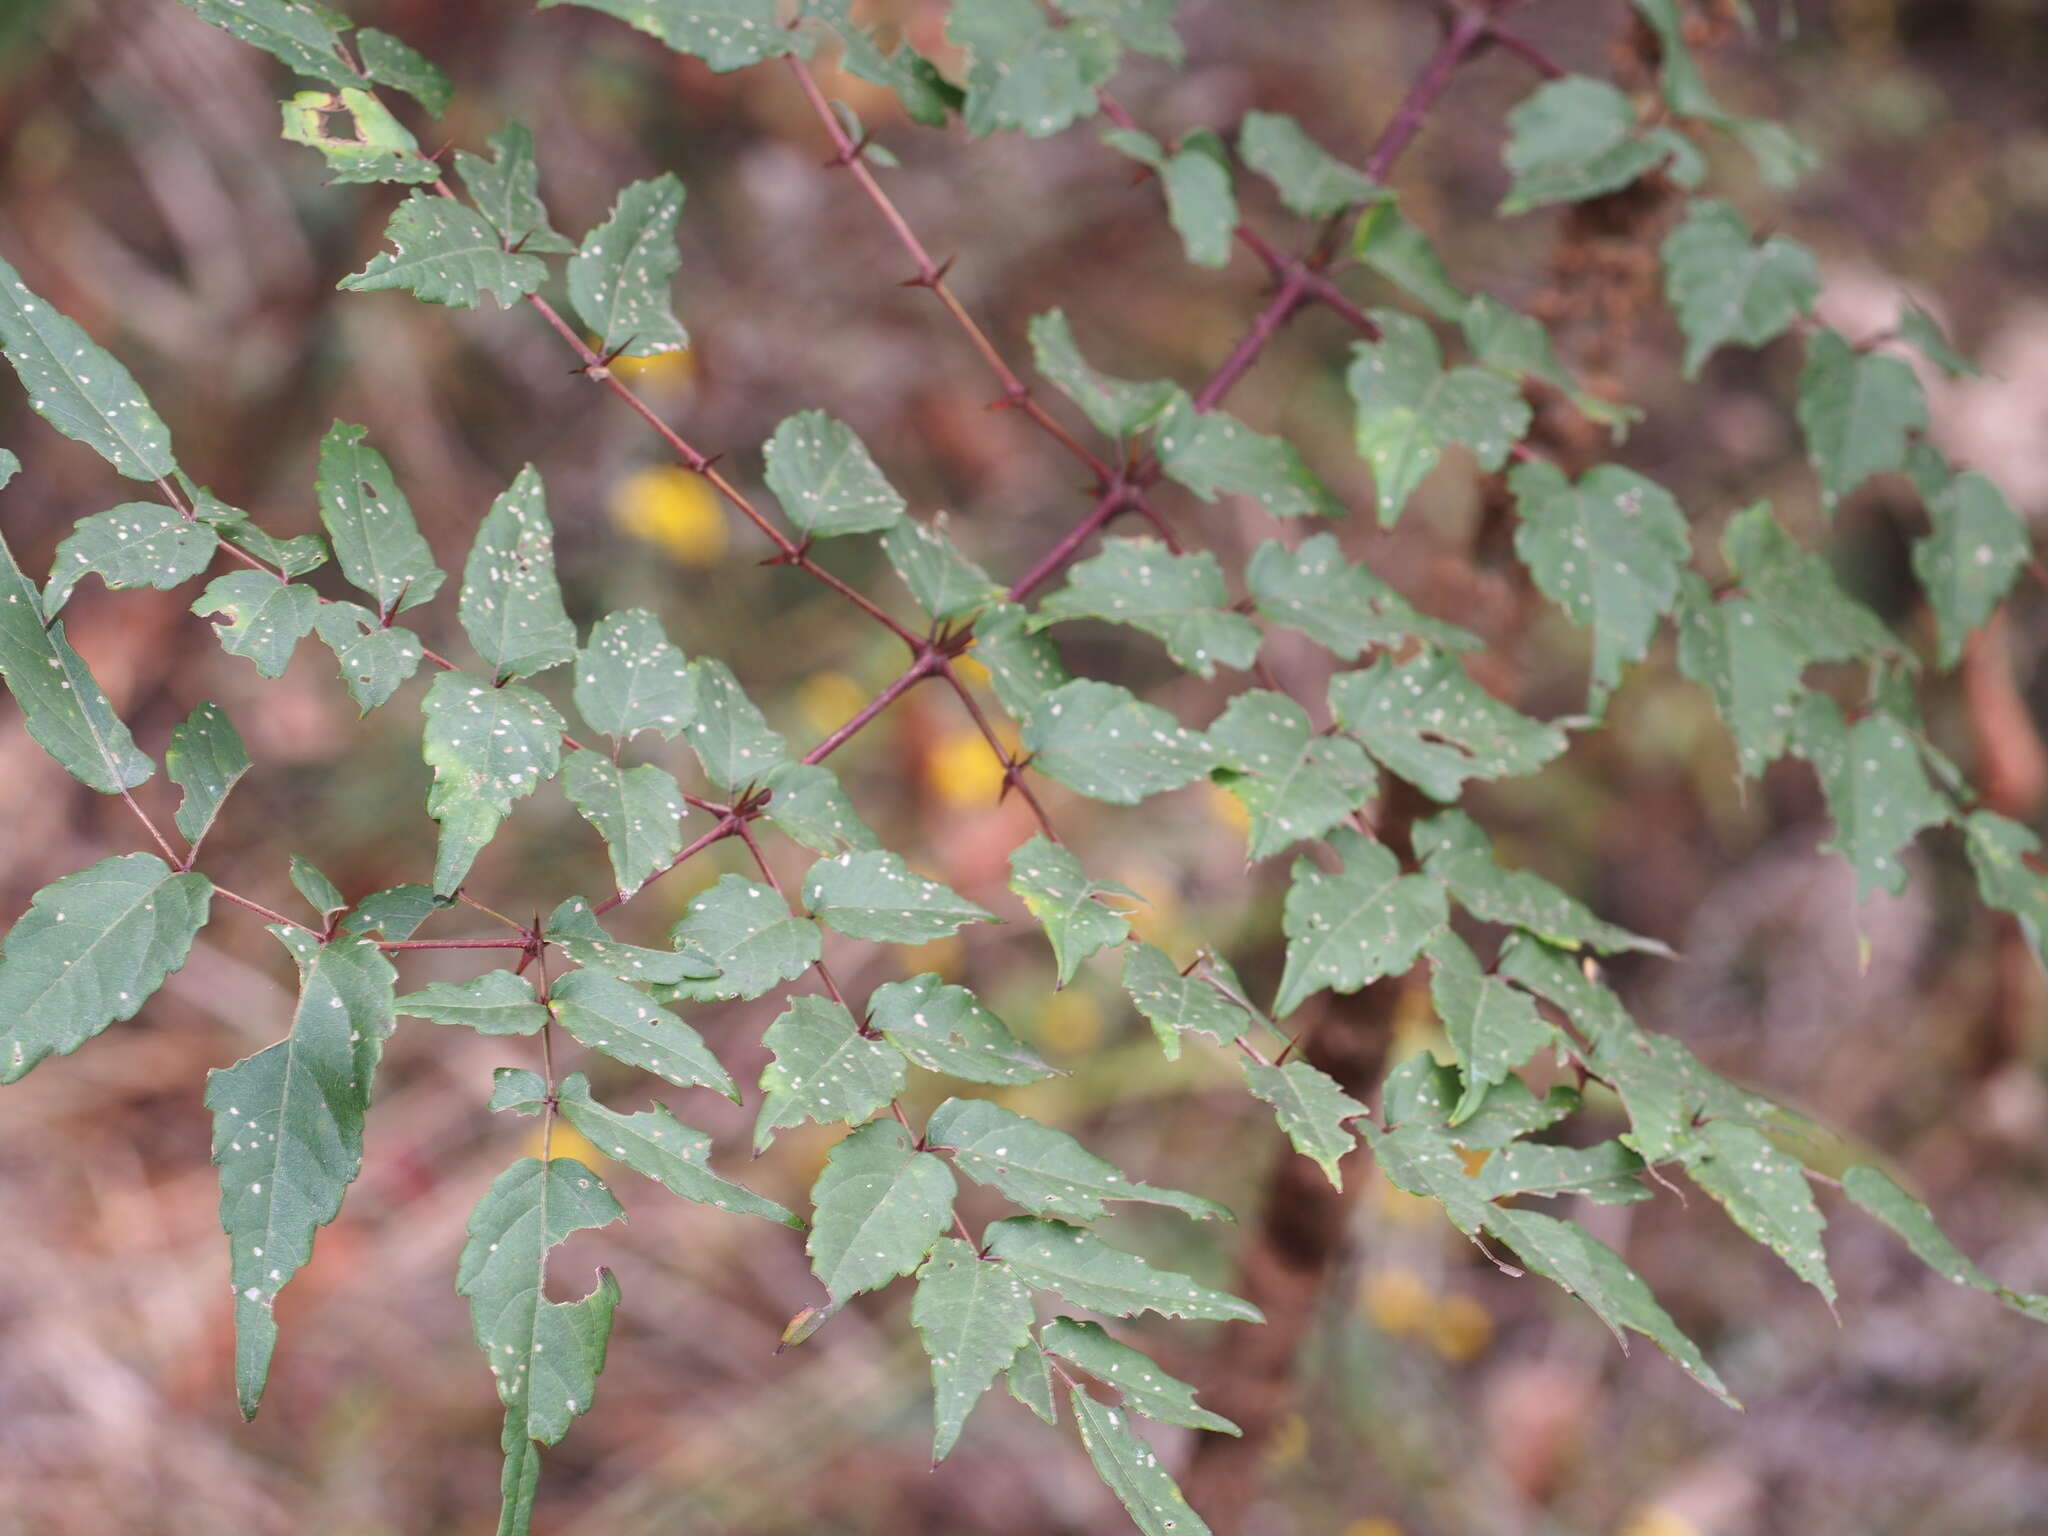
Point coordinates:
[(206, 759), (1117, 407), (1876, 1192), (390, 61), (945, 1028), (728, 732), (1130, 1469), (574, 928), (1293, 782), (1026, 73), (1734, 648), (1210, 452), (1856, 409), (1173, 1001), (374, 658), (267, 618), (1877, 789), (808, 802), (306, 38), (630, 679), (1725, 288), (1340, 605), (826, 479), (377, 147), (1145, 1387), (506, 188), (495, 1003), (1576, 138), (137, 544), (946, 584), (824, 1069), (1967, 564), (1310, 180), (1456, 852), (725, 34), (1766, 1194), (1492, 1027)]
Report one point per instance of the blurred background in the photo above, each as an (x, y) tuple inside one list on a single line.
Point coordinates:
[(1407, 1388)]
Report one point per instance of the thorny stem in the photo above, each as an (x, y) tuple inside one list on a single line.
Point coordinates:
[(1013, 770), (1465, 34)]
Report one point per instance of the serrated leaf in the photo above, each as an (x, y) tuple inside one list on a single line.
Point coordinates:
[(1510, 1111), (620, 280), (824, 1069), (974, 1317), (946, 584), (1342, 606), (1210, 452), (1054, 1256), (1024, 72), (1607, 551), (827, 481), (630, 679), (1130, 1469), (637, 811), (375, 659), (1877, 790), (1294, 783), (881, 1206), (1968, 563), (1179, 599), (1576, 138), (1505, 339), (305, 38), (1346, 929), (293, 557), (396, 912), (321, 893), (1386, 242), (267, 618), (511, 602), (1765, 1193), (1921, 331), (495, 1003), (1311, 181), (288, 1133), (91, 949), (1877, 1193), (79, 388), (506, 189), (1492, 1027), (656, 1144), (925, 95), (1856, 409), (371, 146), (1799, 593), (808, 803), (1029, 1380), (370, 521), (1410, 409), (137, 544), (1173, 1002), (445, 253), (727, 729), (872, 894), (1023, 666), (1733, 649), (1145, 1387), (1102, 741), (1606, 1172), (488, 747), (1998, 849), (1042, 1169), (1427, 721), (725, 34), (1200, 202), (749, 933), (621, 1022), (1312, 1111), (944, 1028), (1117, 407), (390, 61), (520, 1091), (1056, 890), (545, 1356), (574, 927), (1726, 288), (206, 760), (1454, 851)]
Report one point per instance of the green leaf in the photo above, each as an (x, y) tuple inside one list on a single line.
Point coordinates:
[(78, 387), (619, 281), (511, 603), (545, 1355), (1042, 1169), (656, 1144), (1024, 72), (629, 678), (1312, 1111), (1311, 181), (808, 803), (1145, 1387), (974, 1317), (728, 732), (881, 1206), (321, 893), (1294, 783), (388, 61), (1876, 1192), (488, 747), (1799, 593), (137, 544), (396, 912), (946, 584), (1505, 339), (374, 658), (206, 759), (1766, 1194), (944, 1028), (293, 557), (1856, 409), (91, 949), (1053, 1256), (1342, 606), (1725, 289), (1454, 851), (1174, 1002), (288, 1133), (370, 521), (1606, 1172), (1492, 1027), (1386, 242), (1208, 452), (617, 1020), (1410, 409), (267, 618), (1145, 26), (1877, 789), (749, 932), (1023, 666), (1200, 202), (725, 34), (1780, 157), (1180, 599), (575, 928), (1607, 551), (1130, 1469), (1736, 650), (1998, 849), (1056, 890), (1968, 563), (1029, 1378), (826, 479), (1104, 742), (373, 146), (506, 189), (871, 894), (824, 1069), (637, 811), (495, 1003), (1924, 334), (1576, 138), (305, 38), (520, 1091), (445, 253), (925, 95), (1427, 721), (1117, 408), (1510, 1111), (1366, 921), (64, 708)]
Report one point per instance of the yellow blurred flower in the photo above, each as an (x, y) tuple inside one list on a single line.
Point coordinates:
[(566, 1141), (1397, 1301), (940, 955), (1657, 1520), (963, 771), (1460, 1329), (1289, 1445), (1402, 1208), (1372, 1527), (973, 673), (665, 368), (1070, 1023), (672, 509), (827, 700), (1226, 808)]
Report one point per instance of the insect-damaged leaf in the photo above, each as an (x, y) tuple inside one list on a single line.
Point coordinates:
[(137, 544), (374, 658), (206, 759), (1293, 782), (370, 521), (488, 747), (1102, 741), (1426, 720), (511, 603), (824, 1069), (1366, 921), (944, 1028)]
